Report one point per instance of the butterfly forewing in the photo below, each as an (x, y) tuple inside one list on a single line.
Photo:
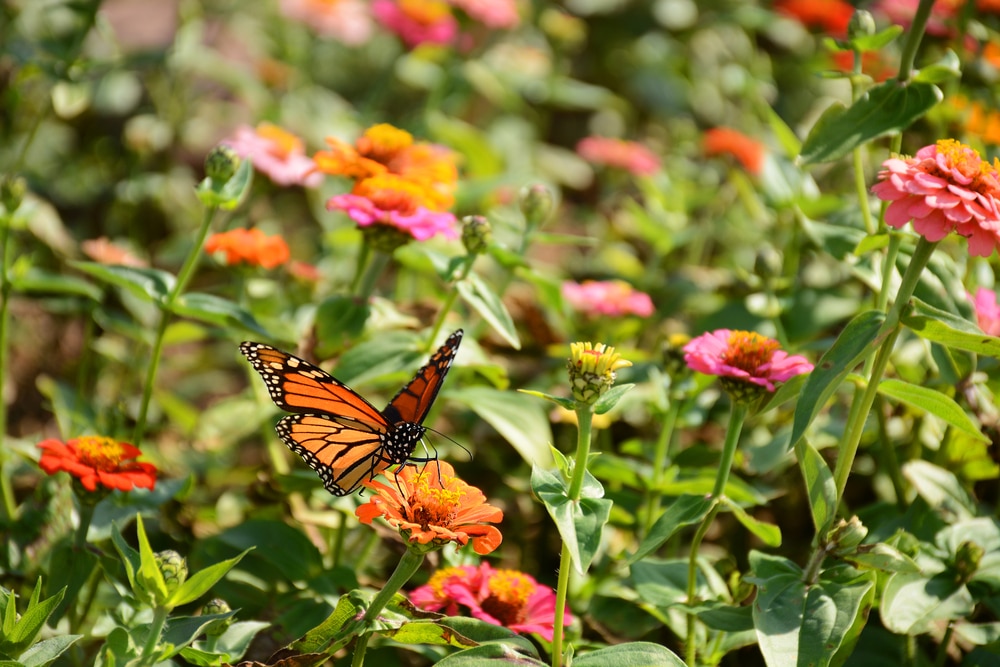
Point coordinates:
[(339, 434)]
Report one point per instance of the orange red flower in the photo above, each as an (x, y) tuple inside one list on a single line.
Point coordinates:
[(432, 507), (98, 460), (249, 246), (830, 16), (724, 140)]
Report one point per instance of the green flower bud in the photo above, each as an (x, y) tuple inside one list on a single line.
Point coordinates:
[(847, 535), (862, 24), (12, 189), (536, 204), (221, 163), (592, 370), (173, 567), (967, 560), (477, 234), (217, 606)]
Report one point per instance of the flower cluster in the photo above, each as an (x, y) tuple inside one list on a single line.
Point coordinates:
[(503, 597), (628, 155), (743, 357), (432, 507), (249, 246), (98, 460), (607, 298), (946, 187), (399, 183), (277, 153), (726, 141)]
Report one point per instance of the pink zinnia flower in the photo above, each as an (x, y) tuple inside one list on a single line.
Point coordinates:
[(987, 311), (608, 297), (417, 21), (491, 13), (383, 207), (628, 155), (349, 21), (723, 140), (744, 356), (945, 188), (507, 598), (277, 153)]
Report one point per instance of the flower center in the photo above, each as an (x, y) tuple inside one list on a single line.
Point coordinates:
[(965, 160), (382, 142), (435, 504), (100, 452), (283, 143), (749, 350), (508, 599), (442, 577), (391, 193)]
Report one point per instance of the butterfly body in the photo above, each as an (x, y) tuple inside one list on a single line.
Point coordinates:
[(338, 433)]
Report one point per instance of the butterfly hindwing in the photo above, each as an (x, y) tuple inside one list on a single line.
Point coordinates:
[(414, 401)]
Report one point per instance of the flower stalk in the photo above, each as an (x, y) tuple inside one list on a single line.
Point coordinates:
[(408, 565)]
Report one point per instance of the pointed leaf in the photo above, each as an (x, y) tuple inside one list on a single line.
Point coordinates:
[(149, 576), (949, 330), (820, 485), (855, 342), (940, 488), (610, 398), (475, 292), (130, 559), (632, 654), (182, 630), (520, 419), (579, 523), (146, 283), (934, 402), (566, 403), (684, 511), (913, 603), (201, 581), (47, 650), (768, 533), (218, 311)]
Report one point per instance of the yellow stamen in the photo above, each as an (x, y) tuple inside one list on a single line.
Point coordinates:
[(101, 452), (749, 351)]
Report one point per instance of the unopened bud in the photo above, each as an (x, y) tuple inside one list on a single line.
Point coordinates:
[(477, 234), (213, 607), (173, 567), (12, 189), (862, 24), (221, 163), (536, 204)]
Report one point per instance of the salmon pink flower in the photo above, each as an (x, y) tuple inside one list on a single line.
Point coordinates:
[(349, 21), (987, 311), (723, 140), (507, 598), (107, 252), (946, 187), (743, 357), (249, 246), (277, 153), (612, 298), (628, 155), (97, 460), (432, 507), (417, 21)]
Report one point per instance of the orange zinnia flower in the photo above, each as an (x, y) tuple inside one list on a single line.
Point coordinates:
[(433, 507), (97, 460), (749, 152), (250, 246)]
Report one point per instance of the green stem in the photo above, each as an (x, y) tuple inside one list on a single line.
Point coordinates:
[(913, 38), (366, 284), (86, 516), (449, 301), (6, 491), (407, 567), (737, 416), (585, 418), (942, 655), (359, 268), (153, 638), (890, 331), (166, 309), (890, 462), (660, 455)]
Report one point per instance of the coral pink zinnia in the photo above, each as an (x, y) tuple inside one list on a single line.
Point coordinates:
[(98, 460), (607, 298), (628, 155), (744, 356), (502, 597), (987, 311), (946, 187)]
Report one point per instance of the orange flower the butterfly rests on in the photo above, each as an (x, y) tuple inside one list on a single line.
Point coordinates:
[(432, 507), (338, 433)]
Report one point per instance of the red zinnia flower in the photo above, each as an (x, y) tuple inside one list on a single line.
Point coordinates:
[(502, 597), (722, 140), (947, 187), (97, 460), (831, 16), (250, 246), (433, 507), (743, 356)]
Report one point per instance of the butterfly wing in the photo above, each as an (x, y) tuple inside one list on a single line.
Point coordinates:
[(344, 453), (296, 385), (414, 401)]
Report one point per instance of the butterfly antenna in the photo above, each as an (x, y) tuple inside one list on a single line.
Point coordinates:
[(451, 440)]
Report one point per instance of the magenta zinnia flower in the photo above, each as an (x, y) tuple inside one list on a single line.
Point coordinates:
[(417, 21), (743, 356), (946, 187), (502, 597), (987, 311), (607, 298)]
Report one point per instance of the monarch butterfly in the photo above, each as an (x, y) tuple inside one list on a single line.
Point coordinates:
[(338, 433)]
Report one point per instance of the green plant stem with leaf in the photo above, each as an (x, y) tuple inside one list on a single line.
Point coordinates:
[(148, 656), (405, 569), (449, 302), (7, 493), (585, 417), (370, 266), (661, 453), (737, 415), (166, 309)]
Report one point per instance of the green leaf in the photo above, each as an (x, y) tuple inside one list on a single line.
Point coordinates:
[(148, 577), (201, 581), (948, 68), (878, 40), (36, 281), (428, 632), (149, 284), (520, 419), (886, 108), (489, 655), (339, 321), (47, 650), (632, 654), (768, 533), (218, 311), (686, 510), (346, 615), (130, 559), (19, 633), (820, 485), (804, 626), (488, 633), (487, 303), (567, 403), (579, 523), (914, 603), (855, 342), (940, 488), (881, 557), (949, 330), (610, 398), (182, 630), (934, 402)]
